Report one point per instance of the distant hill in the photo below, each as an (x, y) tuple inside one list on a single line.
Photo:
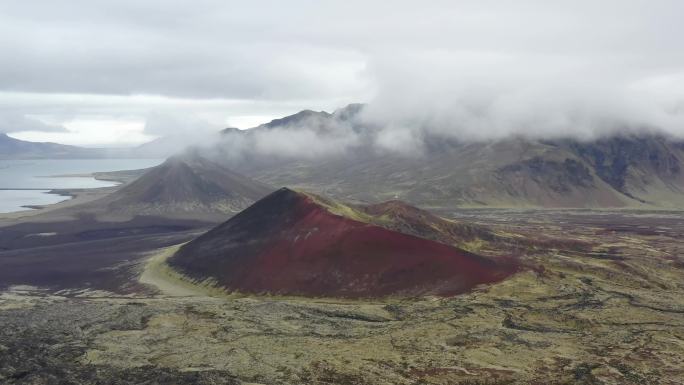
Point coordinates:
[(185, 186), (11, 148), (299, 244), (631, 170)]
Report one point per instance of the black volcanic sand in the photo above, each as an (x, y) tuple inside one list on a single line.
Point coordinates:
[(87, 228), (106, 264), (85, 253)]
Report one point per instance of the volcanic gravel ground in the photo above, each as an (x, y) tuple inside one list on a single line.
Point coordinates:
[(613, 314), (107, 264)]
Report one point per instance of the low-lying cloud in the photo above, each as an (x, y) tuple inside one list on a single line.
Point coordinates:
[(174, 132), (479, 97), (16, 122), (470, 70)]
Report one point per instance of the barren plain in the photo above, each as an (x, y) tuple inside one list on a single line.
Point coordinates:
[(609, 313)]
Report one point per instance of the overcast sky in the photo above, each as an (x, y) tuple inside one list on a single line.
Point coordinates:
[(103, 72)]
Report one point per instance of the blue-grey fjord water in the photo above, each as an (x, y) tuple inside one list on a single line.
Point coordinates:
[(26, 182)]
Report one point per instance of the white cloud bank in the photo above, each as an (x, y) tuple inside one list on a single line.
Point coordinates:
[(472, 69)]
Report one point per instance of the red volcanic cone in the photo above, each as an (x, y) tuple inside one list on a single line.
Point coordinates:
[(297, 244)]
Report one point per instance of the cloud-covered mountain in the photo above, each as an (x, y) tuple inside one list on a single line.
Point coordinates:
[(344, 155)]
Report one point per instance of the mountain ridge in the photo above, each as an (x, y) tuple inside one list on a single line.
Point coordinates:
[(621, 171), (16, 149), (12, 148)]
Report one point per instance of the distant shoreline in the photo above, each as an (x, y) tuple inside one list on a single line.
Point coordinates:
[(75, 196)]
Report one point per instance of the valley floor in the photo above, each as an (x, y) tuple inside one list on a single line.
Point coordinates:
[(614, 315)]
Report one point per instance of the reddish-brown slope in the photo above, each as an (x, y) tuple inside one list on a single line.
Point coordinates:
[(287, 243), (399, 216), (404, 218)]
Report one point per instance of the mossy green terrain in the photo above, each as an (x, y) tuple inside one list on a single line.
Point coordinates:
[(609, 312)]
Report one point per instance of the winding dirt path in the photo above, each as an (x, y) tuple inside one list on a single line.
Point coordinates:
[(169, 283)]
